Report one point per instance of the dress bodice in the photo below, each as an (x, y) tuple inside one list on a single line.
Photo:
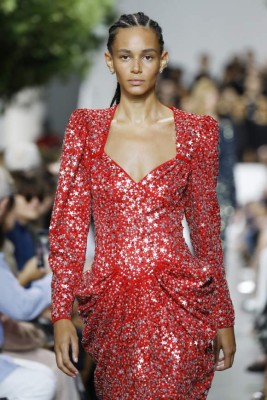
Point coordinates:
[(138, 225)]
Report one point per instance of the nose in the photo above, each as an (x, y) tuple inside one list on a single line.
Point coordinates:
[(35, 201), (136, 66)]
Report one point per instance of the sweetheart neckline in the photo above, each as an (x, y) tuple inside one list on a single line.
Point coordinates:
[(140, 181), (154, 169)]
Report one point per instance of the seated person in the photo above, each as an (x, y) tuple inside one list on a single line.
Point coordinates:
[(32, 379), (28, 198)]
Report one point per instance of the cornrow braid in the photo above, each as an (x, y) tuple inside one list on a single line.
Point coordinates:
[(128, 21)]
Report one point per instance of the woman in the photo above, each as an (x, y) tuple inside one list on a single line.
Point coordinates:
[(20, 379), (151, 309)]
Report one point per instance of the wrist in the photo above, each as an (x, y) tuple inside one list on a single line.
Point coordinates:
[(23, 278)]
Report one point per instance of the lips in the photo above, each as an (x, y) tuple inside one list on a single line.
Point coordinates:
[(136, 82)]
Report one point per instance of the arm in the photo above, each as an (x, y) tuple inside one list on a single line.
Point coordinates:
[(70, 218), (203, 216), (68, 236), (20, 303), (30, 272)]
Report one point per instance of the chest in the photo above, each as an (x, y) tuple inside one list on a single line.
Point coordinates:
[(140, 149), (140, 158)]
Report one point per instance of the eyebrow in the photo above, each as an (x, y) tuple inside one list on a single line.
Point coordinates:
[(143, 51)]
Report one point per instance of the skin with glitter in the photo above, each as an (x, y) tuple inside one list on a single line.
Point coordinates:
[(155, 315)]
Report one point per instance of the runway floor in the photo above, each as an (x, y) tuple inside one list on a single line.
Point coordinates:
[(237, 383)]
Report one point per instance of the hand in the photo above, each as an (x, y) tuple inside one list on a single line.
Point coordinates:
[(225, 341), (65, 337), (30, 272)]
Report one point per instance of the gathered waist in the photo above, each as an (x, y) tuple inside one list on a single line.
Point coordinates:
[(188, 288)]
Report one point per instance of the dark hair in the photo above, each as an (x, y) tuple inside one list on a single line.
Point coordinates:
[(129, 21), (9, 207), (29, 186)]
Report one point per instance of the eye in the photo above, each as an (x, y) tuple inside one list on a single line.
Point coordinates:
[(148, 57), (124, 57)]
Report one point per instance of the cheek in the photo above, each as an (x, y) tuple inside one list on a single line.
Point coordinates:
[(26, 210), (152, 69), (122, 73), (19, 204), (121, 67), (30, 213)]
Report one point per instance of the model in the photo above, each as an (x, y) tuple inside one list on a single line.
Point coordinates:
[(155, 316)]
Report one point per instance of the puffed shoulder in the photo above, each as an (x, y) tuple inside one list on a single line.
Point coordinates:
[(196, 122), (87, 112), (196, 132), (81, 117), (211, 127), (210, 133), (77, 123), (81, 113)]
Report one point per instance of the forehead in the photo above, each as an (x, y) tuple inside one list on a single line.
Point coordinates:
[(136, 38)]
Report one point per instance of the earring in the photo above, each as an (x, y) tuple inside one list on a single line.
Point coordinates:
[(112, 72)]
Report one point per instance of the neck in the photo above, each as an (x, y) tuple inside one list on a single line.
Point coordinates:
[(139, 109), (22, 221)]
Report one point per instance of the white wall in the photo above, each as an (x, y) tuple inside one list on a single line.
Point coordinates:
[(221, 28)]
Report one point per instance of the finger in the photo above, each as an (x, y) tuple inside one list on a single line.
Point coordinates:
[(64, 360), (60, 364), (227, 363), (75, 348), (42, 271), (217, 350), (220, 364)]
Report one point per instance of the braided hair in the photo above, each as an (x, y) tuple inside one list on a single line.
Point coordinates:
[(129, 21)]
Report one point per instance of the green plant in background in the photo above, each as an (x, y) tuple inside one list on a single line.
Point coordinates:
[(41, 39)]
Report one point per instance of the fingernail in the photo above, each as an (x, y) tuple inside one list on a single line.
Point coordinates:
[(75, 359)]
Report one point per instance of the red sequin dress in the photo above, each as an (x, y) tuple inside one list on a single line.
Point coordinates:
[(151, 309)]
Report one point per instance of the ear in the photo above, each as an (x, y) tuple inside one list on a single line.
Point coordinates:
[(109, 61), (164, 60)]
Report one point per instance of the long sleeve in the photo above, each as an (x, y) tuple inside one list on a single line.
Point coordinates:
[(71, 216), (203, 216)]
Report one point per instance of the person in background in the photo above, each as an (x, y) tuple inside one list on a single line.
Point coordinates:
[(204, 100), (21, 378), (26, 304), (28, 198)]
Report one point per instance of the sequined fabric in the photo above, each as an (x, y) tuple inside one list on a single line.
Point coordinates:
[(151, 309)]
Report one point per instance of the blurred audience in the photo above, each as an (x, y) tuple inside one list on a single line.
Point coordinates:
[(23, 345), (240, 95), (26, 379), (27, 200), (24, 157), (238, 101)]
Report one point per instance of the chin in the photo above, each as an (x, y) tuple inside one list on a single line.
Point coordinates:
[(139, 91)]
